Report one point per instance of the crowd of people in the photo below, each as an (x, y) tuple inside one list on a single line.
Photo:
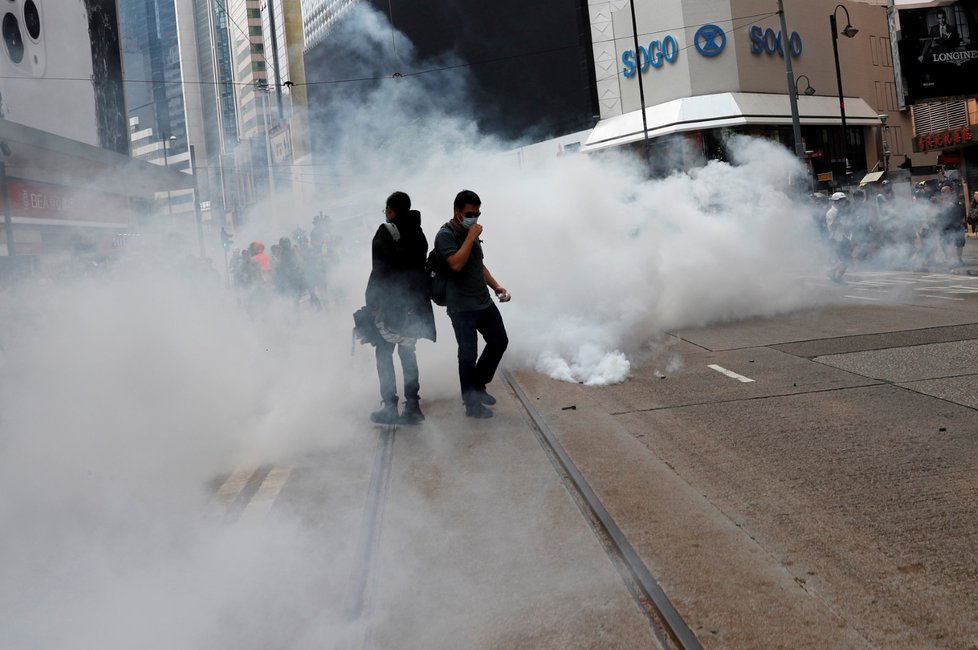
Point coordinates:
[(925, 232), (295, 267)]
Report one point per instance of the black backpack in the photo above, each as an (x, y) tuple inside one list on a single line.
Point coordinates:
[(436, 270), (437, 273)]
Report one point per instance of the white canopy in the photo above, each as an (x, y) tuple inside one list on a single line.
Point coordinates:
[(723, 110)]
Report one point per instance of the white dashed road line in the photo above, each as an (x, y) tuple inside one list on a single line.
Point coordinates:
[(730, 373), (264, 498), (234, 484)]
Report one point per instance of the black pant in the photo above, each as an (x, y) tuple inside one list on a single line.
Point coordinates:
[(474, 372), (385, 371)]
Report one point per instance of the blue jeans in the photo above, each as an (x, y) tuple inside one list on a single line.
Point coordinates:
[(385, 371), (475, 371)]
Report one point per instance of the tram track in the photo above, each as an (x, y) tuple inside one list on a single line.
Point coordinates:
[(370, 523), (668, 625), (664, 620)]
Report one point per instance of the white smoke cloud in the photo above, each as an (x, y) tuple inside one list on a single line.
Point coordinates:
[(126, 394)]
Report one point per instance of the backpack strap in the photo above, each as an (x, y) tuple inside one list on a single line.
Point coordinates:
[(447, 227), (392, 229)]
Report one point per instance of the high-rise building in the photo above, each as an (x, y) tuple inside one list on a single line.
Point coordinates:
[(182, 94), (151, 61), (250, 65), (217, 69), (154, 77), (319, 16)]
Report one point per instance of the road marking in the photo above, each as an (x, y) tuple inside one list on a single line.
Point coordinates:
[(862, 298), (927, 295), (233, 485), (730, 373), (264, 498)]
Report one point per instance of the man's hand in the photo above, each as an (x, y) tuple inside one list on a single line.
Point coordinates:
[(502, 294), (474, 231)]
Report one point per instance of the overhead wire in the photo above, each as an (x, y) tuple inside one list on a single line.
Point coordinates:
[(753, 19), (468, 64)]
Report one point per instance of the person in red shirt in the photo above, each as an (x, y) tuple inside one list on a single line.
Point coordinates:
[(261, 258)]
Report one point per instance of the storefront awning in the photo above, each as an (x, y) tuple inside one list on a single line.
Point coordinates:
[(39, 156), (726, 110)]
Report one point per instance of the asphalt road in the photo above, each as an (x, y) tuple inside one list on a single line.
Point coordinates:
[(801, 481), (807, 480)]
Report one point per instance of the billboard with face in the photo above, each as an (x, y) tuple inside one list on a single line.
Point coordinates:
[(61, 69), (938, 51)]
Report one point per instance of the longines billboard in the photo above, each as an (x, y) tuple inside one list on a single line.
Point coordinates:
[(939, 50)]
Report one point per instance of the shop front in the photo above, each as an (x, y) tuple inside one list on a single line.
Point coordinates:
[(724, 71), (62, 197)]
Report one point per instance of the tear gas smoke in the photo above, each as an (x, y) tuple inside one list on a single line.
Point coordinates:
[(598, 259), (125, 394)]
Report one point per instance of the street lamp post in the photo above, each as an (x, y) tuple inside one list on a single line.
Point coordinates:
[(809, 91), (792, 96), (886, 147), (641, 88), (263, 88), (808, 85), (8, 227), (169, 204), (848, 32), (197, 218)]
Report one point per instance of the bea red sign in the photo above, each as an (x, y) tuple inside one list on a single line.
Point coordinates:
[(34, 200)]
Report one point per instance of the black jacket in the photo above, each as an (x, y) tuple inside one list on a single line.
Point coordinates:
[(397, 290)]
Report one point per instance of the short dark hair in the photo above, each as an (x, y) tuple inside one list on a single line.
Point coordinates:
[(466, 197), (399, 202), (940, 12)]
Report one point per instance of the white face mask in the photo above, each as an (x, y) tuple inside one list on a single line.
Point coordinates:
[(469, 219)]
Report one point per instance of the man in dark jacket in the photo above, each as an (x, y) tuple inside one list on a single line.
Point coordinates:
[(397, 296), (953, 227)]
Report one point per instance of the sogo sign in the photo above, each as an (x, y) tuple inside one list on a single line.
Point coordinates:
[(768, 41), (657, 53), (710, 41)]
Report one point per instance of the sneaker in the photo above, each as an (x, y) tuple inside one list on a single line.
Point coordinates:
[(486, 398), (386, 415), (412, 413), (477, 410)]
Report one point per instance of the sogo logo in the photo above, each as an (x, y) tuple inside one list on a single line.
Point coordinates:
[(709, 40), (771, 42), (657, 53)]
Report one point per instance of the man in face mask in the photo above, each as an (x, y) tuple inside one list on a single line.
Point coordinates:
[(470, 306)]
